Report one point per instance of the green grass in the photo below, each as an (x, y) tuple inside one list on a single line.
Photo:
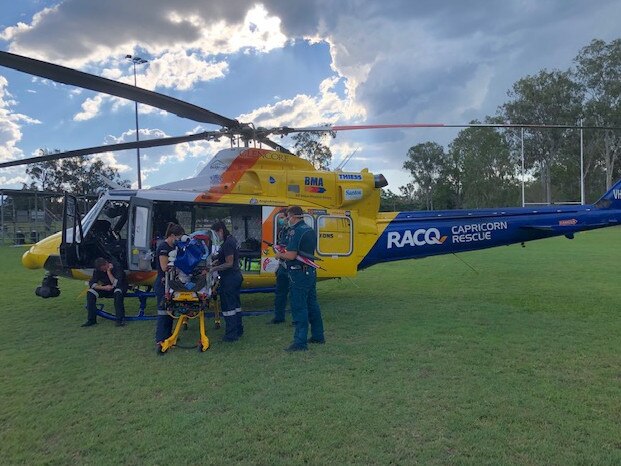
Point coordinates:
[(426, 362)]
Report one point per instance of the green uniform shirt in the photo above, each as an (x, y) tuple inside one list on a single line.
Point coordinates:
[(302, 238)]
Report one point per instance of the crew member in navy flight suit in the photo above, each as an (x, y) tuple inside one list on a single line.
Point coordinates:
[(282, 277), (108, 281), (164, 325), (231, 279), (303, 282)]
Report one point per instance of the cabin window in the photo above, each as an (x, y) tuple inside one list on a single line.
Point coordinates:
[(140, 227), (280, 223), (334, 235), (242, 221)]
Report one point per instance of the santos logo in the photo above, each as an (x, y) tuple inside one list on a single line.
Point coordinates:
[(419, 237)]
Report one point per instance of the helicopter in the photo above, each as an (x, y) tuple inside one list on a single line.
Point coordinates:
[(249, 186)]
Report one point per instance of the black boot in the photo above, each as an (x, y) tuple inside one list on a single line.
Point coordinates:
[(91, 309), (119, 308)]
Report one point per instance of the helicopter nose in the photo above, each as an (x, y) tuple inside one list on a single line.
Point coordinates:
[(31, 260)]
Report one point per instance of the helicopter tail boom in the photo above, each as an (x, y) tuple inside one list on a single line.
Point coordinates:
[(414, 235)]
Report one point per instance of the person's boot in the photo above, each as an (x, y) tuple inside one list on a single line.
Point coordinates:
[(119, 307), (230, 328), (91, 310)]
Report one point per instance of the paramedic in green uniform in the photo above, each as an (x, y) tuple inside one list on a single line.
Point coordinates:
[(282, 276), (303, 280)]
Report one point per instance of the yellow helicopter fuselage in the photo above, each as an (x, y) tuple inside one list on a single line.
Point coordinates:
[(254, 185)]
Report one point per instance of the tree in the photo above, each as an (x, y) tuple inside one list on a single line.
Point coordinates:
[(44, 174), (426, 162), (309, 146), (482, 170), (550, 97), (598, 71), (77, 175), (408, 200)]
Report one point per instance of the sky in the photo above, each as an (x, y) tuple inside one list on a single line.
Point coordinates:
[(279, 62)]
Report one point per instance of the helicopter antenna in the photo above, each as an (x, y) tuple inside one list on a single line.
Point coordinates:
[(345, 160), (469, 266)]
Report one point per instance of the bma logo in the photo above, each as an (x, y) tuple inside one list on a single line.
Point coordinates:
[(420, 237), (314, 184), (616, 193)]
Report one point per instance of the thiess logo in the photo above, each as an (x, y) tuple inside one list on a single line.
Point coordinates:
[(419, 237), (350, 177), (314, 184)]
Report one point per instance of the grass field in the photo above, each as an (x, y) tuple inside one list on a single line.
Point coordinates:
[(426, 362)]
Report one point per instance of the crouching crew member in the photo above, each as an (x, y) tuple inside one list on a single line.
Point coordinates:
[(282, 277), (164, 321), (303, 282), (227, 264), (108, 281)]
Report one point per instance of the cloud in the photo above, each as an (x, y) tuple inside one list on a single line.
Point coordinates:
[(179, 39), (10, 124), (92, 32), (397, 59), (303, 110), (90, 108), (391, 61)]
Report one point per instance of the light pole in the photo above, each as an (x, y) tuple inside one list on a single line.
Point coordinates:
[(137, 61)]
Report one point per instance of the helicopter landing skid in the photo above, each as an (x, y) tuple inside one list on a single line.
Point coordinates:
[(142, 297)]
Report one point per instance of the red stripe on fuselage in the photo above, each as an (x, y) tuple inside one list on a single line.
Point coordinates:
[(240, 165)]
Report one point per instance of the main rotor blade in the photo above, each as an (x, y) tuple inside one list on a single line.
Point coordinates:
[(77, 78), (327, 128), (273, 145), (114, 147)]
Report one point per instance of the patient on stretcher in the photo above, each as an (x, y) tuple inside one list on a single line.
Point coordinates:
[(187, 263)]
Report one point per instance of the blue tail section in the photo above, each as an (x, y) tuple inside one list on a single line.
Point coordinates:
[(413, 235), (612, 199)]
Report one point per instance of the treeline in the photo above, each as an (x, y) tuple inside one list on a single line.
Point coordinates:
[(77, 175), (482, 166)]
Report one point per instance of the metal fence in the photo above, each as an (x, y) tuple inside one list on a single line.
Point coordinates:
[(27, 216)]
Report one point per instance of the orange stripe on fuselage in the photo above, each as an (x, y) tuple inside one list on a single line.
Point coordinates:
[(240, 165)]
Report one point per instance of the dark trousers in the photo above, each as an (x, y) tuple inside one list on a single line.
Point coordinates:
[(91, 303), (304, 306), (164, 325), (230, 303), (281, 294)]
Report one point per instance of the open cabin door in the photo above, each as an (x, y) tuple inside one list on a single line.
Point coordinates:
[(72, 234), (139, 251)]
